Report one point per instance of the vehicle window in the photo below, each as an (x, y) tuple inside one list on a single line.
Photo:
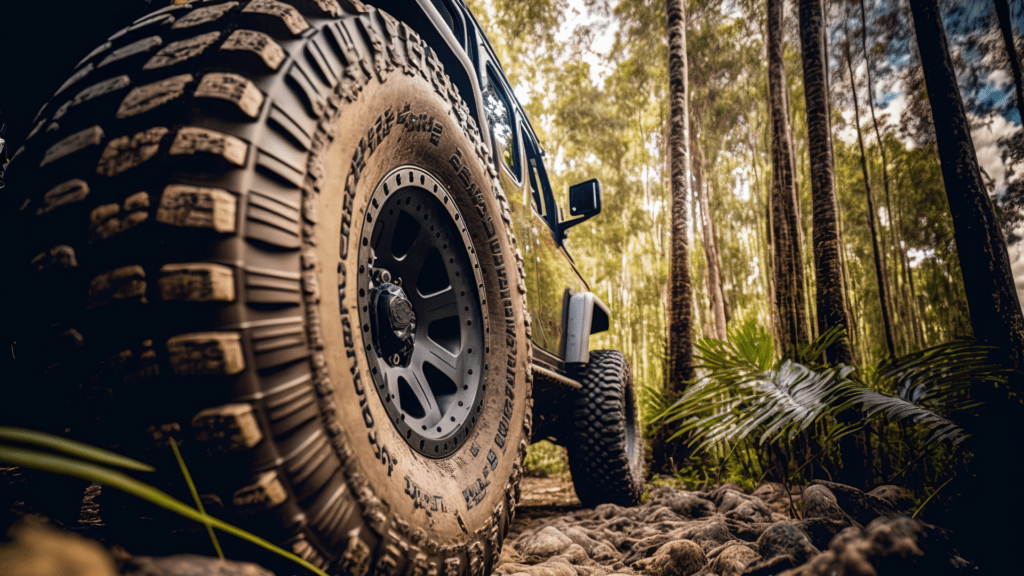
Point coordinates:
[(538, 196), (499, 116)]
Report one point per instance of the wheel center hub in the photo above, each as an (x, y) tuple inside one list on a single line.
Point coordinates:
[(394, 323)]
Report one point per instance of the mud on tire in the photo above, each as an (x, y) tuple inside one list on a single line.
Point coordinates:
[(606, 451), (188, 245)]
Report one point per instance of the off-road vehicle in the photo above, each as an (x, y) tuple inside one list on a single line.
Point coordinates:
[(313, 243)]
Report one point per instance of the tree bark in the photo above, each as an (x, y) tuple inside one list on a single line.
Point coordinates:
[(788, 266), (995, 310), (992, 299), (680, 321), (893, 299), (716, 296), (883, 292), (1006, 29), (828, 271)]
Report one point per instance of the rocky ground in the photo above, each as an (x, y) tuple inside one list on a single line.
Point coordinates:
[(725, 532)]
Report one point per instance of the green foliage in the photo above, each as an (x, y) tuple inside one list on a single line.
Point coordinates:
[(546, 459), (745, 391), (56, 455), (752, 415)]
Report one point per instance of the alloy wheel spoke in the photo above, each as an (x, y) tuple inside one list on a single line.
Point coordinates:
[(444, 361), (437, 306), (424, 395), (412, 265)]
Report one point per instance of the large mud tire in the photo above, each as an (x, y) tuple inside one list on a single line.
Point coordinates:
[(186, 245), (606, 449)]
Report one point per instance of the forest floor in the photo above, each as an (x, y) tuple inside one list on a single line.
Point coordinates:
[(822, 529)]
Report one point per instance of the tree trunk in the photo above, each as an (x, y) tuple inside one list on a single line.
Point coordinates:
[(1006, 28), (992, 299), (715, 293), (908, 273), (680, 321), (893, 299), (827, 264), (883, 292), (788, 267), (828, 271), (995, 311)]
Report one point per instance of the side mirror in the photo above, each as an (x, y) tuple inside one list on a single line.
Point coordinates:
[(584, 201), (585, 198)]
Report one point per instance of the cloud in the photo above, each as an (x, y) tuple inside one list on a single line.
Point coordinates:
[(986, 144)]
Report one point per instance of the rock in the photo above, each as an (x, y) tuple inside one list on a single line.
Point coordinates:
[(716, 551), (190, 565), (545, 544), (819, 502), (709, 534), (770, 567), (597, 551), (786, 539), (677, 558), (725, 532), (685, 504), (575, 555), (895, 496), (609, 511), (733, 560), (550, 568), (777, 497), (751, 510), (38, 550), (821, 530), (897, 545), (748, 531), (662, 514), (860, 506)]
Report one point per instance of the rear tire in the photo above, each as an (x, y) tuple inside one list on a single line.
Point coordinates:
[(606, 448), (196, 205)]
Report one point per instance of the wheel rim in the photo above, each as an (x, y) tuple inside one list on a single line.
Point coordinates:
[(422, 311)]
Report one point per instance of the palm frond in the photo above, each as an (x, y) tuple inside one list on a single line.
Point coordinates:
[(896, 409), (742, 394), (941, 377), (778, 403), (812, 354)]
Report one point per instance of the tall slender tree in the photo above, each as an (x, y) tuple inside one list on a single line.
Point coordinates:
[(991, 297), (995, 310), (891, 279), (680, 321), (828, 272), (1006, 30), (882, 278), (785, 224), (715, 294)]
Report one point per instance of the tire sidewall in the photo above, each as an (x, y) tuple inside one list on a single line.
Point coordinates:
[(454, 496)]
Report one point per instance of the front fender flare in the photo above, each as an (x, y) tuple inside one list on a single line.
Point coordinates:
[(587, 315)]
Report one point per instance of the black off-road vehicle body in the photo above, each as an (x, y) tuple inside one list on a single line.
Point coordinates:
[(324, 232)]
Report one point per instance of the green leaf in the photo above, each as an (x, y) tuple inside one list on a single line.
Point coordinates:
[(119, 480), (12, 435)]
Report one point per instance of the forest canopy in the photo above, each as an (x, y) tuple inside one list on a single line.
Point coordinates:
[(593, 78)]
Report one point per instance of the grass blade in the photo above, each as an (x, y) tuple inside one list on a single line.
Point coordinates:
[(195, 495), (73, 448), (121, 481)]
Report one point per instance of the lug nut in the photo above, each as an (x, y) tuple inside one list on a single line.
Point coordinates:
[(395, 359)]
